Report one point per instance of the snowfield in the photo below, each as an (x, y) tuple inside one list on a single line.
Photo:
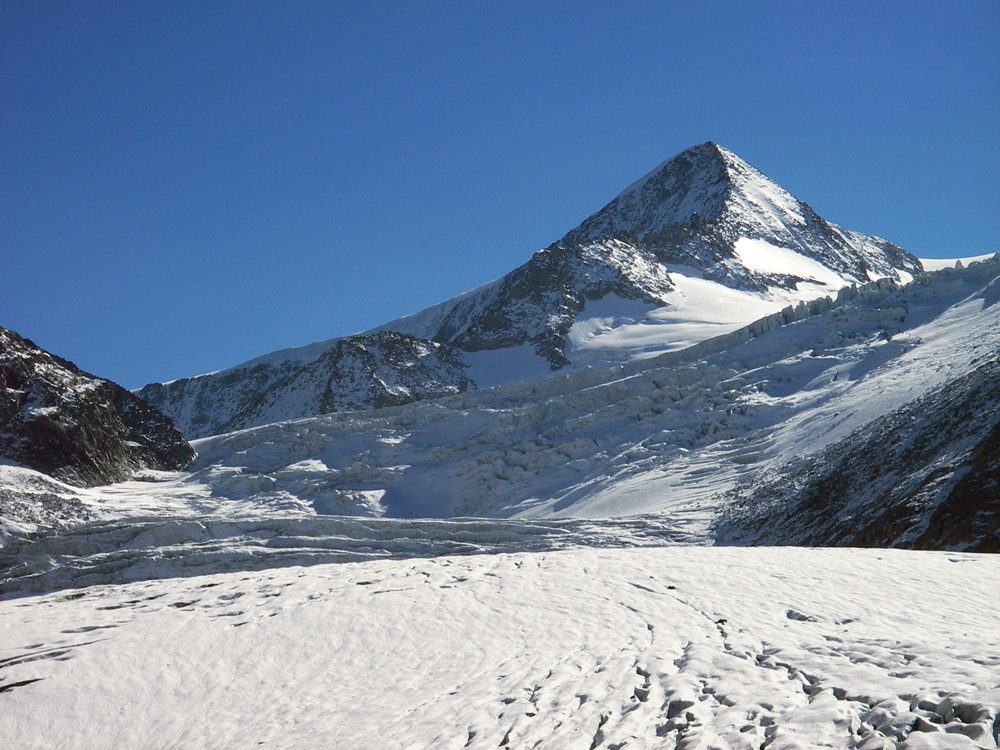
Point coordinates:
[(683, 647)]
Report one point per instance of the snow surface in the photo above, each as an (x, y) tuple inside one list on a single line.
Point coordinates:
[(936, 264), (763, 257), (615, 330), (584, 648)]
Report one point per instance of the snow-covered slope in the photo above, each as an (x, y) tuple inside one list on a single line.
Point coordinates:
[(74, 426), (721, 649), (701, 246), (926, 476), (667, 435)]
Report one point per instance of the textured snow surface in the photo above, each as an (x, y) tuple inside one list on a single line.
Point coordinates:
[(936, 264), (585, 648)]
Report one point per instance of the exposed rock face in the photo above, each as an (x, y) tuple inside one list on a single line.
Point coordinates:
[(357, 372), (71, 425), (927, 476), (690, 212)]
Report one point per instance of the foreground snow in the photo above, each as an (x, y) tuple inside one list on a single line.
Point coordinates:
[(585, 648)]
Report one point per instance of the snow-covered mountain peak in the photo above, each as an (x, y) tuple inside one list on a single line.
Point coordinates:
[(698, 185), (694, 181), (696, 207)]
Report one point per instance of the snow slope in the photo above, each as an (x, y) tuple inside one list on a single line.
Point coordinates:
[(662, 435), (586, 648)]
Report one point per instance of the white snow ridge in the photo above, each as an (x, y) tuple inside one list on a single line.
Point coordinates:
[(534, 516)]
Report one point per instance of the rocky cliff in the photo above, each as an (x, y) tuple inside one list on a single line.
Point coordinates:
[(79, 428)]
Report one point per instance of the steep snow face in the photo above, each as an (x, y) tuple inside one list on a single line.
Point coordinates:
[(584, 648), (74, 426), (358, 372)]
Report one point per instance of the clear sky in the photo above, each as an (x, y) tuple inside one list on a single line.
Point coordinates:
[(187, 185)]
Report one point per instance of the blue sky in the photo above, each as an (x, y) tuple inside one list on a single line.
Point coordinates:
[(184, 186)]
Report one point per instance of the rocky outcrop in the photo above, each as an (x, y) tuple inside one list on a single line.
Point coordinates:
[(927, 476), (79, 428)]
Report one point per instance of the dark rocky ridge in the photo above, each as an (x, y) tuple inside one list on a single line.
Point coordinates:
[(357, 372), (76, 427), (926, 476)]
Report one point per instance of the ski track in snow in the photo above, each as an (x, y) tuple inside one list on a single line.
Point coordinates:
[(587, 648)]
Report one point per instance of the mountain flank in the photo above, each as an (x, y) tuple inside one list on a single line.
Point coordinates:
[(355, 373)]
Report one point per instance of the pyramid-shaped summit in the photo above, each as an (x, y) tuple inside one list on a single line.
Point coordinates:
[(694, 181), (704, 211), (695, 207)]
